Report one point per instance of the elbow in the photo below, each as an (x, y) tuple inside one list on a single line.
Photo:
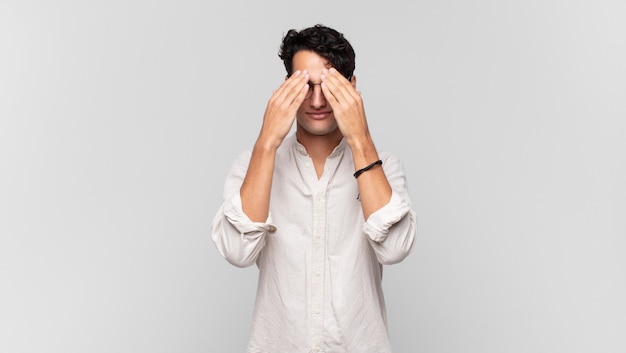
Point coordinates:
[(397, 246), (395, 255), (238, 254), (240, 260), (238, 249)]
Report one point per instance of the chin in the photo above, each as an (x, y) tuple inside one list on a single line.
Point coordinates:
[(319, 129)]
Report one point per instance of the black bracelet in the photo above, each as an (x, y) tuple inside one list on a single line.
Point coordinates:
[(360, 171)]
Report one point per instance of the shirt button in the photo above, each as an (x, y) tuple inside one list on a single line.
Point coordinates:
[(308, 165), (317, 348), (271, 229), (318, 273), (317, 311)]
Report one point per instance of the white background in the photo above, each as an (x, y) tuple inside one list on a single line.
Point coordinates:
[(120, 119)]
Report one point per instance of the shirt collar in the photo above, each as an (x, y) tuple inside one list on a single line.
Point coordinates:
[(337, 151)]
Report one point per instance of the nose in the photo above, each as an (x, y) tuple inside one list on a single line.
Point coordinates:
[(317, 99)]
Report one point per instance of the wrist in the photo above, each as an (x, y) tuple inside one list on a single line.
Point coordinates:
[(366, 168), (268, 143), (363, 148)]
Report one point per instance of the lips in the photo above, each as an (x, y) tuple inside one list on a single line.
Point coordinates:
[(318, 115)]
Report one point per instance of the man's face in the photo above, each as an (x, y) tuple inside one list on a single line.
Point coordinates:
[(315, 115)]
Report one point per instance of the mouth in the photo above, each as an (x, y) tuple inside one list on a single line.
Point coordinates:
[(319, 115)]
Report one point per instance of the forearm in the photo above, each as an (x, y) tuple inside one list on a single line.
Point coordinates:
[(257, 184), (374, 188), (392, 229)]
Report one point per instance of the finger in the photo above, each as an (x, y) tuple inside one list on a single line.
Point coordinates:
[(299, 89), (293, 87), (284, 86), (328, 94), (340, 86), (327, 88), (299, 98), (335, 85)]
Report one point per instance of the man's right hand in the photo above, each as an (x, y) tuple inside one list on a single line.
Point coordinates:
[(282, 108)]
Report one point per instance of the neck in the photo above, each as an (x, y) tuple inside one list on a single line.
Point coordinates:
[(319, 146)]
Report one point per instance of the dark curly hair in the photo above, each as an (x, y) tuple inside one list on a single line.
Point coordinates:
[(325, 41)]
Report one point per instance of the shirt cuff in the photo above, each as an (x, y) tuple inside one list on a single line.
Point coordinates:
[(233, 211), (378, 223)]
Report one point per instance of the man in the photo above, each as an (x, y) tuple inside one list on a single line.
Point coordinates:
[(319, 211)]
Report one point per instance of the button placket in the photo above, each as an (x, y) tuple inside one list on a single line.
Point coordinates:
[(317, 269)]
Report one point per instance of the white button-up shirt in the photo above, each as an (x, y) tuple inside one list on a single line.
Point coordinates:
[(320, 263)]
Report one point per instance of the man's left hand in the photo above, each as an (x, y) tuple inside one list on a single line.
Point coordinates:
[(347, 105)]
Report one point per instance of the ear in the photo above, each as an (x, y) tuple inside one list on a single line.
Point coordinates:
[(353, 81)]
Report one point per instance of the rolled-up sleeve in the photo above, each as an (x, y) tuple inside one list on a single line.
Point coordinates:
[(392, 229), (238, 239)]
